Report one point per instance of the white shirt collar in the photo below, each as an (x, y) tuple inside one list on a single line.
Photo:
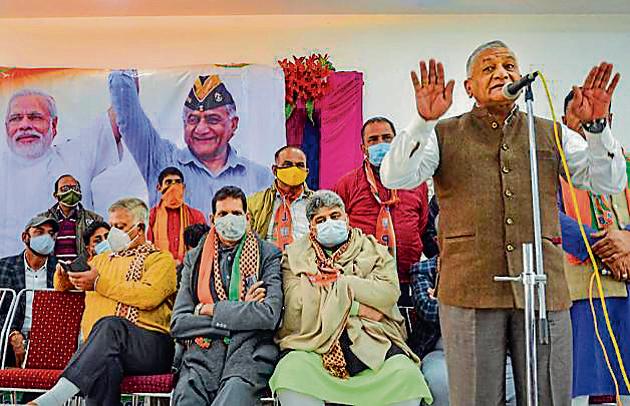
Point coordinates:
[(28, 268)]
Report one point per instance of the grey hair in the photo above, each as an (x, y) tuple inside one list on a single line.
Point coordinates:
[(135, 206), (488, 45), (321, 199), (231, 110), (50, 101)]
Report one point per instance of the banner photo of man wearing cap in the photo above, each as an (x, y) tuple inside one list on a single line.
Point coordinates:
[(115, 131)]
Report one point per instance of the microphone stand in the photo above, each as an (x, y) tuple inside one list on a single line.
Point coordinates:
[(533, 277)]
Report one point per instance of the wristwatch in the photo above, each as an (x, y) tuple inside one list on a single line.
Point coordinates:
[(595, 126)]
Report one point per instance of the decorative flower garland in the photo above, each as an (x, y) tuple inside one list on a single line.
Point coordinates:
[(306, 80)]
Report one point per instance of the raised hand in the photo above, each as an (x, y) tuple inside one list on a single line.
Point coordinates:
[(592, 101), (433, 98)]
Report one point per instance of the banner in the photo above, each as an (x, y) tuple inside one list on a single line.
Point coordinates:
[(115, 131)]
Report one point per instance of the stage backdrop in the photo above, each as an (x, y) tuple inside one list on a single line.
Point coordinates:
[(74, 130)]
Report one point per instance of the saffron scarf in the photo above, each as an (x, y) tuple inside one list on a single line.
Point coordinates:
[(283, 223), (385, 233), (172, 199), (246, 264)]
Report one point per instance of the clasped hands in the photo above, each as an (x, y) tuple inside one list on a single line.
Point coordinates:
[(614, 250)]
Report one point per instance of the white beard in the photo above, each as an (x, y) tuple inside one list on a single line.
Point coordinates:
[(32, 150)]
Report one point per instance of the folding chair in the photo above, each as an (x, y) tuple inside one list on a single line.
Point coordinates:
[(6, 326), (53, 339)]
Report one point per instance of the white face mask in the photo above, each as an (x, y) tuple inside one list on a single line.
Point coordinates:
[(231, 227), (119, 240)]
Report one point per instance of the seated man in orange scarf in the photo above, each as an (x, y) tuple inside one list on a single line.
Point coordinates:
[(227, 309), (171, 216)]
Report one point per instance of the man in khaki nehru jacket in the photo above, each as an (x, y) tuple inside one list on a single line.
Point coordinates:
[(480, 165)]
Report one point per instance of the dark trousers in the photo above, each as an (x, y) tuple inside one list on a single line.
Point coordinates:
[(405, 295), (234, 391), (117, 348)]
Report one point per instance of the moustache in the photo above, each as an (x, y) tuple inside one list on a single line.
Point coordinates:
[(26, 134)]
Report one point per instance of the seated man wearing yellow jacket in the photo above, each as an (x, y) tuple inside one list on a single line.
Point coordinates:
[(128, 305)]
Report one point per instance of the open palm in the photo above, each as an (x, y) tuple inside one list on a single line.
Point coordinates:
[(592, 100), (433, 97)]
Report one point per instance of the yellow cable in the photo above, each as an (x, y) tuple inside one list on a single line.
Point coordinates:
[(596, 273)]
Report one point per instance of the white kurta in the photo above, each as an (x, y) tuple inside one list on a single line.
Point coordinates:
[(27, 184)]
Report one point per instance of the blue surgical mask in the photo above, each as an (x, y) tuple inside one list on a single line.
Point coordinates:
[(377, 152), (102, 247), (331, 232), (231, 227), (42, 244)]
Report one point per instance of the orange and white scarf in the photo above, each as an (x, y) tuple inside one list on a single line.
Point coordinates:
[(385, 233)]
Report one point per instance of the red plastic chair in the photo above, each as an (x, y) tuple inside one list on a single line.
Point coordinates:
[(151, 386), (53, 339)]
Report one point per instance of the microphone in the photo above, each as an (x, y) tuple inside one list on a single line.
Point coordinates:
[(512, 90)]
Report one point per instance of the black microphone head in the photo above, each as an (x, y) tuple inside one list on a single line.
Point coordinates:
[(509, 95)]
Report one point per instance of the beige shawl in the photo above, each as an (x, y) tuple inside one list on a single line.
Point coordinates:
[(314, 316)]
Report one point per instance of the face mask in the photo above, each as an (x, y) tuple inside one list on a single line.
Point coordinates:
[(292, 176), (42, 244), (119, 240), (70, 198), (332, 232), (377, 152), (231, 227), (102, 247), (173, 198)]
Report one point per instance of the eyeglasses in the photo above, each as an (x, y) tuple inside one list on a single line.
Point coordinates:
[(67, 188), (210, 119)]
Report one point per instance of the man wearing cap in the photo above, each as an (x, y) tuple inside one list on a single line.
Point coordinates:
[(33, 268), (209, 161), (72, 217)]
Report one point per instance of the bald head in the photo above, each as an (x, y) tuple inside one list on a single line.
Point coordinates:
[(290, 154)]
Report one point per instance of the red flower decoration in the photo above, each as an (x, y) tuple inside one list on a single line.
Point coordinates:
[(306, 80)]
